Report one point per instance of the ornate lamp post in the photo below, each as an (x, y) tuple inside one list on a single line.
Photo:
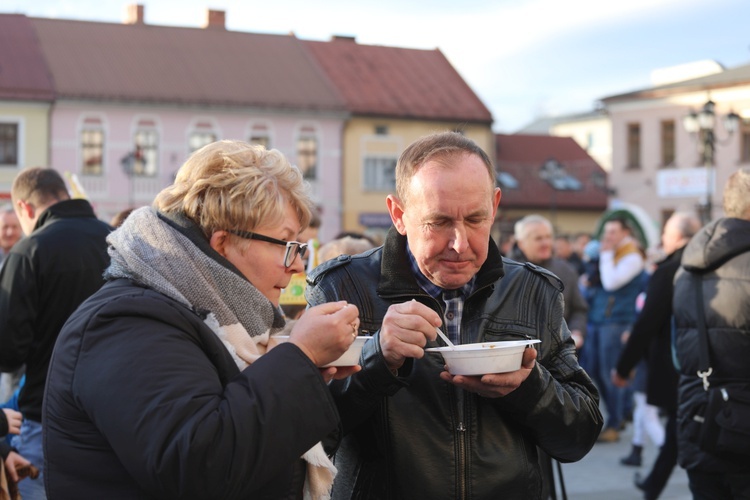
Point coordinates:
[(703, 124)]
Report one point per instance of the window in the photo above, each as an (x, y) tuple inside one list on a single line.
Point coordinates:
[(202, 134), (554, 172), (380, 174), (9, 144), (92, 147), (146, 153), (634, 146), (745, 141), (667, 143), (307, 153), (381, 129), (505, 180), (259, 135)]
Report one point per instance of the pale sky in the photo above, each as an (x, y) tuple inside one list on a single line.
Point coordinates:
[(524, 58)]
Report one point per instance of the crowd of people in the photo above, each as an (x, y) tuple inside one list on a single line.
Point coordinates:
[(138, 360)]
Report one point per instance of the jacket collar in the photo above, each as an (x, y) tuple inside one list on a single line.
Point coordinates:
[(66, 209), (396, 275)]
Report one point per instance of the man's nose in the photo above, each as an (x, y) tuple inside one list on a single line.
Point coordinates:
[(460, 239)]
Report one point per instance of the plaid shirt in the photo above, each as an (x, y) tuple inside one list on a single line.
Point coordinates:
[(453, 299)]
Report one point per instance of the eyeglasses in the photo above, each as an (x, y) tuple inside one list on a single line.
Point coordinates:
[(293, 248)]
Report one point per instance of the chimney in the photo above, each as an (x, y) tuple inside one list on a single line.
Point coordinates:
[(215, 19), (134, 14)]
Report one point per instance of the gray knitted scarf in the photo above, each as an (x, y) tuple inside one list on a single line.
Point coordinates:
[(171, 256)]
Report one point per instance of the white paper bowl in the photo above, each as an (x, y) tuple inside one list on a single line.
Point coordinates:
[(349, 358), (484, 357)]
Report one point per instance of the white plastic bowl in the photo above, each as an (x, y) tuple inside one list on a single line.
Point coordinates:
[(349, 358), (484, 357)]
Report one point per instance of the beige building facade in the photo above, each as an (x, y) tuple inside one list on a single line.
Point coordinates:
[(24, 133), (658, 164)]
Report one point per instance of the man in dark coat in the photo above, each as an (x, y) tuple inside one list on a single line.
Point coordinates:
[(650, 338), (720, 256), (44, 279)]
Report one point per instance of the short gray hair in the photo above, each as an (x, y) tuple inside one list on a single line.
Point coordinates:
[(737, 194), (521, 227)]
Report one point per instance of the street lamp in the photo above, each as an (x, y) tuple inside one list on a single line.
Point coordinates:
[(703, 124)]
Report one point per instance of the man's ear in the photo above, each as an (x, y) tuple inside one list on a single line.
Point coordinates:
[(397, 213), (218, 242), (26, 209)]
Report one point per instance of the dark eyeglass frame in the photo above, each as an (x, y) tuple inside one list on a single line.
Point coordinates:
[(293, 248)]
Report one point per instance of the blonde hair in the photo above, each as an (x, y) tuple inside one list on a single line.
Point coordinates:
[(737, 194), (235, 185)]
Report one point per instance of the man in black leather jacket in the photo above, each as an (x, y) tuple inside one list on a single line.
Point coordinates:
[(414, 430), (720, 255)]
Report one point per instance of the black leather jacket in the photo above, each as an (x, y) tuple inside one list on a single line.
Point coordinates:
[(415, 436)]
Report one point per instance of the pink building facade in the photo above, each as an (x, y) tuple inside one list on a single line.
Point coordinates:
[(93, 141)]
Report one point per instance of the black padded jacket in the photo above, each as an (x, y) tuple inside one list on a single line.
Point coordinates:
[(719, 254)]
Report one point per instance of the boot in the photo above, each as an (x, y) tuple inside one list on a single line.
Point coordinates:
[(634, 458)]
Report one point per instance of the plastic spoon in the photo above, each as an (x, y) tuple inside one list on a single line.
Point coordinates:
[(445, 338)]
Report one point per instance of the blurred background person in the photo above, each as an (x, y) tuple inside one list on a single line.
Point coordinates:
[(160, 385), (346, 245), (612, 312), (719, 256), (534, 239), (651, 340), (45, 278), (120, 217), (579, 242), (10, 231)]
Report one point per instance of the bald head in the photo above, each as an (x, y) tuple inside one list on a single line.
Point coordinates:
[(678, 230)]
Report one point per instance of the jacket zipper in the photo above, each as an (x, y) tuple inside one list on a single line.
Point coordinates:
[(461, 438)]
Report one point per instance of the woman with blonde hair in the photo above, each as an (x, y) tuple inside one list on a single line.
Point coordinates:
[(160, 384)]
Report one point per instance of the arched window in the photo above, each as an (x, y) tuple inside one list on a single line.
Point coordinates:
[(146, 149), (260, 134), (203, 133), (92, 146)]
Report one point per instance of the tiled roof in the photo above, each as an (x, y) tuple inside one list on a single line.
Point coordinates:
[(523, 157), (146, 63), (23, 72), (397, 82), (736, 76)]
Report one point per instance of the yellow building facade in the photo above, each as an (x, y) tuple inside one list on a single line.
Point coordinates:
[(371, 147)]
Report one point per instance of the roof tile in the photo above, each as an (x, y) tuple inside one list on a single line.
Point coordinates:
[(23, 71), (140, 62), (523, 156), (398, 82)]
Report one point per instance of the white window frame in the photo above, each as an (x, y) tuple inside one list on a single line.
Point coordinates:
[(20, 124), (375, 177), (83, 126)]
